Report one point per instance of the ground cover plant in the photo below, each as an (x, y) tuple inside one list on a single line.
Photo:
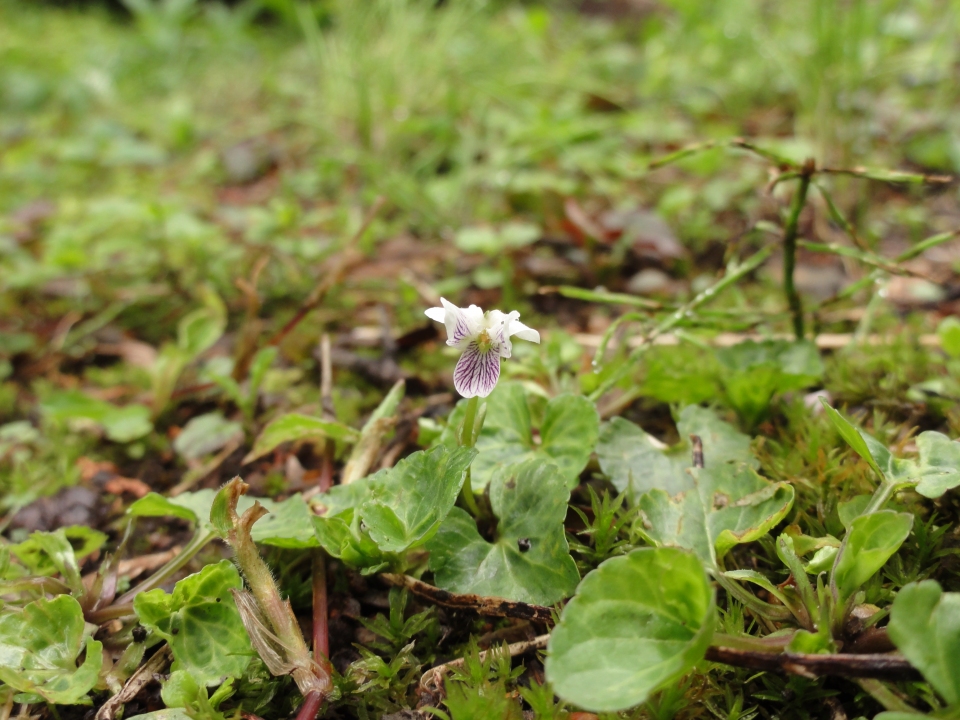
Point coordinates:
[(405, 359)]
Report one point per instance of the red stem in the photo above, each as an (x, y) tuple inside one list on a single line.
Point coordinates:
[(310, 707), (321, 634)]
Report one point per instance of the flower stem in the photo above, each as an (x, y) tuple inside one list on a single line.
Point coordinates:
[(467, 439), (466, 431)]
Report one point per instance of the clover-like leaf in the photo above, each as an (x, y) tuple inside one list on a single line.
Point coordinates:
[(567, 436), (726, 505), (294, 426), (637, 623), (529, 559), (409, 501), (201, 623), (636, 462), (925, 627), (870, 542), (39, 647)]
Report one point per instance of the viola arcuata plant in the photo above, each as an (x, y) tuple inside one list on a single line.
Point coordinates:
[(484, 338)]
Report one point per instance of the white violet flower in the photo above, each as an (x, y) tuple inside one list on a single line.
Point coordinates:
[(484, 339)]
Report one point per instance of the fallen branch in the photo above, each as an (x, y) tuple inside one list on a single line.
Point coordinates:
[(344, 263), (135, 684), (486, 606), (878, 666), (432, 679)]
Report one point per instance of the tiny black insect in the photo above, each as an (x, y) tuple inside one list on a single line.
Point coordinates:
[(139, 633), (523, 544)]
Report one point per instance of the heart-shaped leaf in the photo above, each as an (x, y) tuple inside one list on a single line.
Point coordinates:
[(568, 434), (371, 522), (409, 501), (637, 623), (636, 462), (529, 559), (925, 627), (39, 647), (726, 505), (201, 623), (870, 542)]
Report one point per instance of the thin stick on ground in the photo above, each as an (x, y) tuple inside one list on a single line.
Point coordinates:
[(877, 666), (486, 606), (325, 481), (343, 263), (135, 684), (432, 679)]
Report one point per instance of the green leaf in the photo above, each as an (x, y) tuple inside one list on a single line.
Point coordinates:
[(851, 509), (165, 714), (529, 559), (727, 505), (201, 623), (409, 501), (295, 426), (853, 436), (39, 648), (288, 524), (205, 434), (191, 506), (636, 462), (756, 371), (939, 464), (870, 542), (199, 330), (925, 627), (341, 536), (46, 553), (636, 624), (949, 332), (567, 437), (120, 424)]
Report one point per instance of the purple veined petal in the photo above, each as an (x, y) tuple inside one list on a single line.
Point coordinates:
[(477, 372), (462, 324)]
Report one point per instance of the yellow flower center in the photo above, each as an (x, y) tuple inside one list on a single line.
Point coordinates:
[(483, 341)]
